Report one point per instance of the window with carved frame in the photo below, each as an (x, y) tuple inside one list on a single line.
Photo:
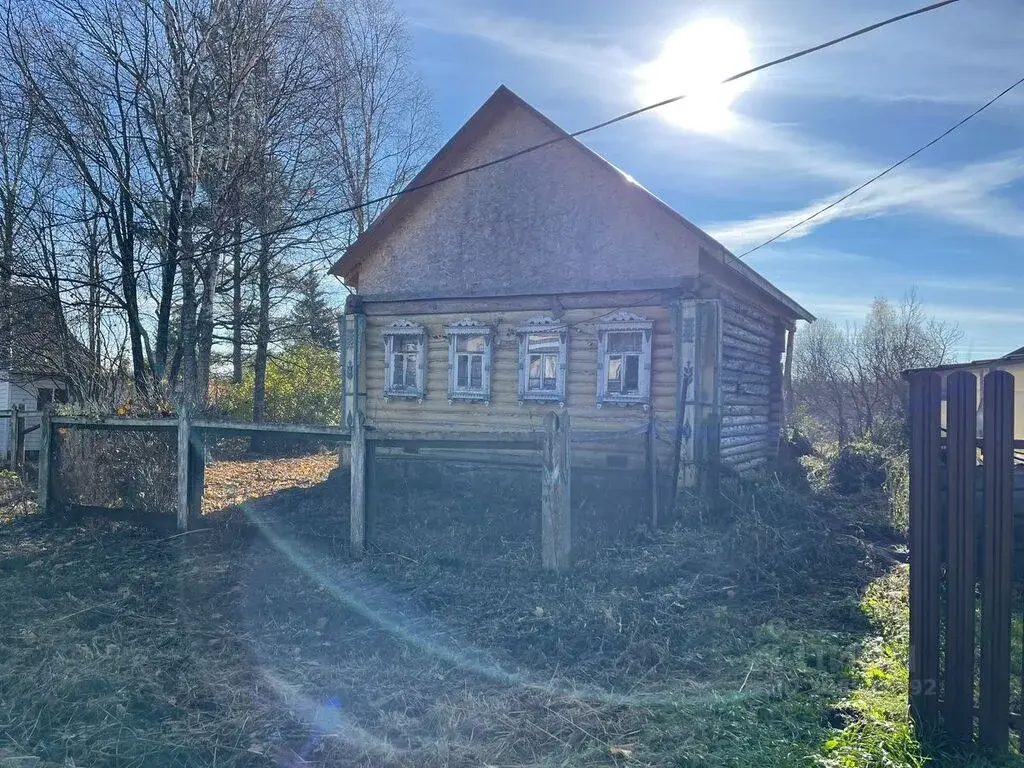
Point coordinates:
[(469, 361), (543, 352), (624, 359), (405, 360)]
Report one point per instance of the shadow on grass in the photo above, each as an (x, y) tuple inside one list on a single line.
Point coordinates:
[(724, 641)]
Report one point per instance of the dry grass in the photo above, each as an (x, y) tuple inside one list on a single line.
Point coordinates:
[(257, 642)]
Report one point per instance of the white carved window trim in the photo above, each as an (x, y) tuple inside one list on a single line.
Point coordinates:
[(538, 326), (624, 322), (397, 330), (461, 330)]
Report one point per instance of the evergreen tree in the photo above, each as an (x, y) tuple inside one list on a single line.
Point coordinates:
[(313, 319)]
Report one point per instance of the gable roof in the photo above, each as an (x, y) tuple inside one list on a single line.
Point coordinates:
[(445, 164), (37, 343)]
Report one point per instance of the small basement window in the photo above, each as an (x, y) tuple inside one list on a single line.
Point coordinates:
[(624, 359), (469, 361), (404, 360), (542, 360)]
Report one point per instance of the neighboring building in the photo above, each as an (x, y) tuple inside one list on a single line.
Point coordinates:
[(1012, 363), (32, 361), (555, 281)]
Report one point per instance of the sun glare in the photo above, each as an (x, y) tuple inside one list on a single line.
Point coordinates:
[(694, 60)]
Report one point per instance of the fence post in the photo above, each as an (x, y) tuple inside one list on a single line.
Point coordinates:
[(994, 688), (925, 393), (556, 503), (652, 469), (12, 456), (184, 472), (45, 462), (196, 473), (962, 460), (357, 503)]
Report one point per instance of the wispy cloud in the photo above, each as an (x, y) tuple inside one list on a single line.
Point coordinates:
[(964, 196), (581, 57)]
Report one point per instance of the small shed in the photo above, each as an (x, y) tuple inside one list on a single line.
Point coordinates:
[(555, 281)]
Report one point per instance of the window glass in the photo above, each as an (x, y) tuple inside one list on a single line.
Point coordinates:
[(543, 372), (544, 342), (404, 359), (464, 343), (625, 342), (623, 351), (44, 397), (469, 362), (476, 372)]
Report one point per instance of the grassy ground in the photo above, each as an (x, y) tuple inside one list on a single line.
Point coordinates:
[(737, 639)]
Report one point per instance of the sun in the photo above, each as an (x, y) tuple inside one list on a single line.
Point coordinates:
[(694, 60)]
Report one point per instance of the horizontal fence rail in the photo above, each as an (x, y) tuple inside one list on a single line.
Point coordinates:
[(551, 446)]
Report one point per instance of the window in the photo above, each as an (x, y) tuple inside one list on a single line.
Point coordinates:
[(469, 361), (542, 360), (404, 360), (624, 359), (48, 395)]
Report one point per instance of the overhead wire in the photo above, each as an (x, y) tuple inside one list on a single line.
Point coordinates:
[(598, 126), (890, 169), (555, 140)]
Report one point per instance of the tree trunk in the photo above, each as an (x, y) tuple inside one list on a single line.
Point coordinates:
[(236, 303), (259, 393), (189, 370), (168, 273), (6, 266), (204, 323)]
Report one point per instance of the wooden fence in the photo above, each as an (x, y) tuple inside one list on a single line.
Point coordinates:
[(552, 445), (962, 540), (17, 429)]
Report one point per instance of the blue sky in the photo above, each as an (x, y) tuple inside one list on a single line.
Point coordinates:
[(950, 224)]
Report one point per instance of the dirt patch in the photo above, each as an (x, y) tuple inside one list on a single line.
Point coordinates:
[(229, 483), (257, 642)]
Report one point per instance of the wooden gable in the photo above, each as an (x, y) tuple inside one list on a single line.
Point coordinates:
[(554, 220)]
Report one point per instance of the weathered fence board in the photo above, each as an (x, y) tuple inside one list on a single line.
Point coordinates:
[(184, 464), (45, 464), (556, 501), (925, 393), (357, 495), (552, 446)]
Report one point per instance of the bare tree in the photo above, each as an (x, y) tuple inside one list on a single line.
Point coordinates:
[(168, 166), (381, 125), (848, 380)]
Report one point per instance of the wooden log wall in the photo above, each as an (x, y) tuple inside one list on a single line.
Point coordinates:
[(626, 426), (751, 384)]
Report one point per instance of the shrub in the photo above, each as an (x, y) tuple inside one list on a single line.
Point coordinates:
[(897, 489), (853, 469), (303, 387)]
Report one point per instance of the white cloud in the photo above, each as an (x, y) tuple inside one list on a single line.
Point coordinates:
[(583, 58), (963, 196)]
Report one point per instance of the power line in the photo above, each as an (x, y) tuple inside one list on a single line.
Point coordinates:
[(583, 131), (891, 168)]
